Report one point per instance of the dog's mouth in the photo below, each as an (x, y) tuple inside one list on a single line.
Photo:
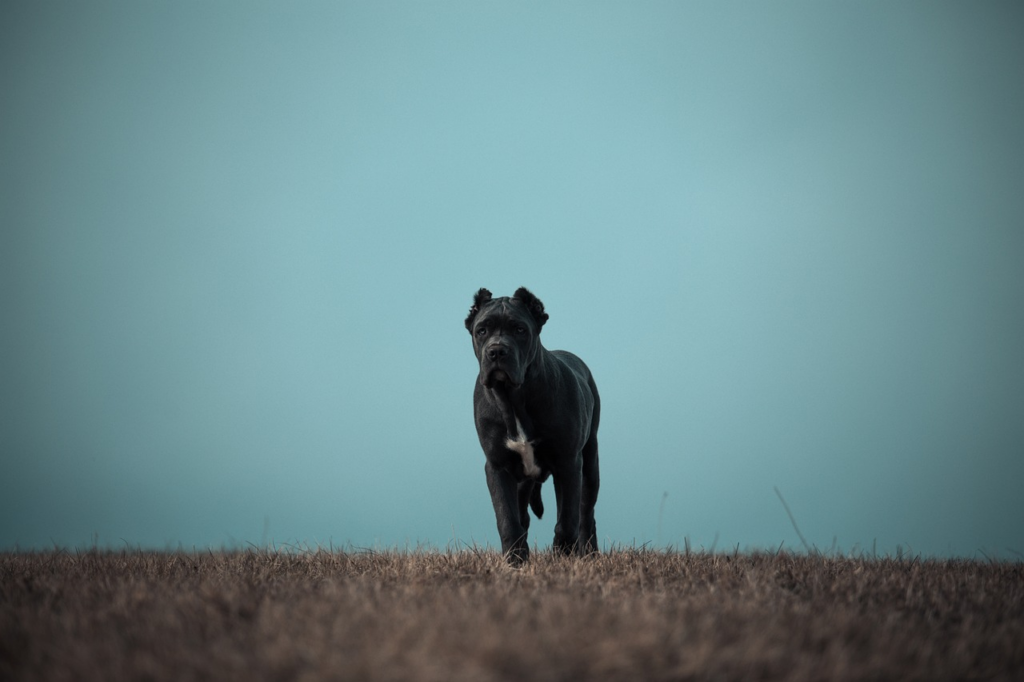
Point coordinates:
[(498, 377)]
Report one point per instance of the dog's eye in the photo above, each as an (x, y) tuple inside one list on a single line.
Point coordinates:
[(520, 330), (480, 331)]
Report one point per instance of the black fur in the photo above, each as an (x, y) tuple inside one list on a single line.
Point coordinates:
[(533, 304), (482, 297), (550, 400)]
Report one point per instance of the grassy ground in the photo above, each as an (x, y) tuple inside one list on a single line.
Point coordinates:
[(622, 615)]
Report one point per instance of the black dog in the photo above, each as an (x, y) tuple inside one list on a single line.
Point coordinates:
[(536, 414)]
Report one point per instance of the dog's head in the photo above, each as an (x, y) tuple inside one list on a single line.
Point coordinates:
[(506, 335)]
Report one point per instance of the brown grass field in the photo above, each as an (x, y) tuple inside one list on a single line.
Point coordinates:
[(627, 614)]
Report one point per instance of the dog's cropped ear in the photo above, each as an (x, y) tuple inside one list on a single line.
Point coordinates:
[(482, 297), (533, 304)]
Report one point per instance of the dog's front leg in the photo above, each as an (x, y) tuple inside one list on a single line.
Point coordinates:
[(568, 485), (505, 498)]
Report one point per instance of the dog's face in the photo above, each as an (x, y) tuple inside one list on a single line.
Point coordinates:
[(506, 335)]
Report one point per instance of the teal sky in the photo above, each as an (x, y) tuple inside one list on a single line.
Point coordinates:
[(239, 241)]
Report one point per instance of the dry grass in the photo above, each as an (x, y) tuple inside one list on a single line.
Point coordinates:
[(463, 615)]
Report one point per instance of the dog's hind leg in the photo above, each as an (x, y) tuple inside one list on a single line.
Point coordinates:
[(588, 496), (567, 498)]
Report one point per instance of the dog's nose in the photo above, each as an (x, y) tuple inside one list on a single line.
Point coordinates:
[(495, 352)]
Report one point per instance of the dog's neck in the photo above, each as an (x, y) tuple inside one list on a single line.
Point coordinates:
[(519, 434), (513, 410), (511, 402)]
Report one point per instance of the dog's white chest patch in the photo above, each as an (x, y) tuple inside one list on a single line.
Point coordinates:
[(525, 449)]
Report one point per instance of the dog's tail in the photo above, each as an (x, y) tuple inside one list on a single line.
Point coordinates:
[(537, 504)]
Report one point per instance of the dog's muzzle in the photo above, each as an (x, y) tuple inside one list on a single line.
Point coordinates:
[(497, 365), (496, 375)]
